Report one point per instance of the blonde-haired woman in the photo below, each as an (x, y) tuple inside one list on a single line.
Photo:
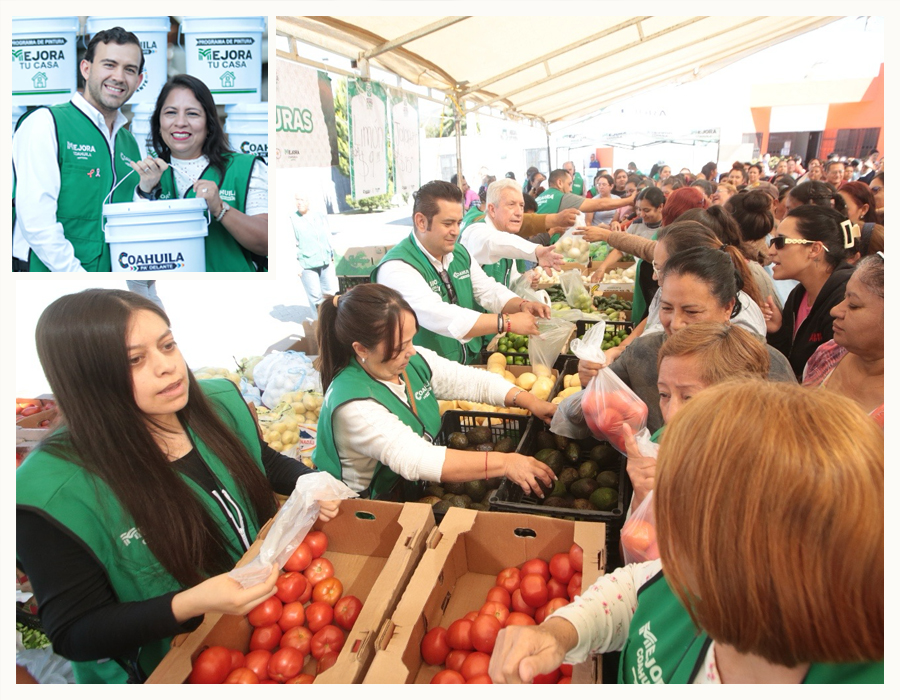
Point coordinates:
[(763, 490)]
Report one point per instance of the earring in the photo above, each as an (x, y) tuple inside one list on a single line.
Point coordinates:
[(363, 360)]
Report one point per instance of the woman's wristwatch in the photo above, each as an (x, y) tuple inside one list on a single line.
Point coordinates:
[(224, 211)]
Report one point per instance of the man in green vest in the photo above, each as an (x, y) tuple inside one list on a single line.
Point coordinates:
[(559, 196), (493, 243), (67, 159), (577, 179), (445, 287)]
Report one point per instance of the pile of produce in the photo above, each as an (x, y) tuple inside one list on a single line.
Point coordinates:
[(615, 307), (619, 276), (571, 385), (574, 249), (513, 347), (307, 617), (218, 373), (522, 596), (612, 337)]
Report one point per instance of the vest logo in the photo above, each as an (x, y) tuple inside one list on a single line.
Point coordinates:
[(151, 262), (647, 670), (81, 151), (815, 337), (130, 535), (424, 392), (125, 159), (461, 275), (228, 194), (257, 149), (436, 286)]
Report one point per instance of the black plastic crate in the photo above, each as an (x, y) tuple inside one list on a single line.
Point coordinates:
[(502, 425), (346, 282), (511, 499), (583, 325)]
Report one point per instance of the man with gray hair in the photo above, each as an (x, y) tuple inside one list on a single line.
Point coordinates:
[(493, 243), (577, 179)]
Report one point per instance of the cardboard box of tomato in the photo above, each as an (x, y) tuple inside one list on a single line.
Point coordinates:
[(374, 547), (456, 573)]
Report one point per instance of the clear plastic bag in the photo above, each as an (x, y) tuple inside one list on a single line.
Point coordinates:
[(638, 536), (544, 348), (590, 346), (292, 522), (576, 295), (280, 373), (44, 666), (573, 247), (608, 403), (250, 393), (568, 420), (522, 288)]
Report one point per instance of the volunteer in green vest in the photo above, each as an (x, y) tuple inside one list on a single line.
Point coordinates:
[(577, 179), (68, 157), (493, 244), (131, 513), (559, 196), (194, 160), (445, 287), (769, 507), (380, 415)]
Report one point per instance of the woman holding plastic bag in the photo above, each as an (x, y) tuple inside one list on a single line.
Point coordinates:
[(130, 513), (756, 520), (380, 413)]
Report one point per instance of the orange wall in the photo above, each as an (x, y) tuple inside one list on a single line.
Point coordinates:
[(867, 114), (761, 118), (605, 157)]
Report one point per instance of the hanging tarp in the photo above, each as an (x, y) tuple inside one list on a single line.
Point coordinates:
[(300, 120), (367, 105), (405, 141)]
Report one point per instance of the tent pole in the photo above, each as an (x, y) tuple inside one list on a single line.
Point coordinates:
[(547, 132)]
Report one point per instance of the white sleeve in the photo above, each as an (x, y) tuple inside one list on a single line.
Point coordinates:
[(432, 312), (35, 158), (751, 316), (487, 245), (258, 192), (366, 432), (602, 615), (452, 380), (488, 292)]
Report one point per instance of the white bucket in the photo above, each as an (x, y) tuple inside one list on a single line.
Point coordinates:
[(44, 60), (17, 113), (140, 124), (157, 236), (152, 33), (247, 126), (226, 54)]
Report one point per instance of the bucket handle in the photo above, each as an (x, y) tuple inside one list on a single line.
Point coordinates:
[(178, 35), (103, 218)]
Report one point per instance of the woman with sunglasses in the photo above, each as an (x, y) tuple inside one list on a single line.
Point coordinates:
[(811, 246)]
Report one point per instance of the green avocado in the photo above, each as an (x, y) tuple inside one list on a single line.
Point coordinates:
[(505, 444), (479, 435), (583, 488), (562, 442), (457, 441), (478, 506), (604, 453), (572, 453), (463, 501), (588, 469), (568, 476), (556, 502), (559, 488), (545, 441), (552, 458), (440, 508), (476, 489), (434, 490), (605, 498), (582, 504), (454, 489), (430, 500), (608, 478)]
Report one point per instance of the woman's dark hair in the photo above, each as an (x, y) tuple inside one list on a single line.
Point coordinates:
[(784, 181), (215, 147), (673, 181), (719, 221), (709, 188), (368, 314), (654, 170), (605, 176), (820, 193), (861, 193), (425, 199), (816, 223), (752, 211), (636, 179), (714, 267), (653, 195), (684, 235), (530, 203), (82, 345), (709, 169)]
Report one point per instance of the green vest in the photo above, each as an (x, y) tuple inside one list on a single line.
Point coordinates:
[(577, 184), (408, 251), (638, 303), (593, 191), (664, 646), (85, 507), (549, 201), (353, 384), (87, 173), (223, 252), (471, 217)]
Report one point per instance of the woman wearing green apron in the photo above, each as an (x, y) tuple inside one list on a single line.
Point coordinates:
[(762, 491), (380, 414)]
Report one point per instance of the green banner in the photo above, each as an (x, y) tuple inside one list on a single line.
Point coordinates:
[(367, 107)]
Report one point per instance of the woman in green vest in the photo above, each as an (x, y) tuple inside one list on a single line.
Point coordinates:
[(131, 513), (193, 159), (380, 414), (769, 506)]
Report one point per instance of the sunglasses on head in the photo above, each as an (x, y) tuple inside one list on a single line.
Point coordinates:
[(780, 241)]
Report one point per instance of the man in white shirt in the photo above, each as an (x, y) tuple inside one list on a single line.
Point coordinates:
[(493, 243), (447, 288), (69, 157)]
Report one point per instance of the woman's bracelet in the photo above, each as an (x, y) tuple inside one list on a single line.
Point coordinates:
[(499, 323), (521, 304), (516, 396), (508, 323)]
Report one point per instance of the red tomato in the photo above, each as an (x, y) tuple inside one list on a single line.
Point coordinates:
[(328, 590), (519, 605), (455, 659), (484, 633), (241, 675), (475, 664), (483, 678), (447, 676), (266, 637), (299, 638), (290, 586), (237, 659), (302, 678), (318, 570), (30, 410), (576, 554), (543, 678), (346, 611), (212, 666), (286, 663), (300, 559), (471, 615), (258, 662), (566, 670), (292, 615), (266, 613), (536, 566), (459, 635), (498, 594), (498, 610), (318, 615), (561, 568), (574, 587), (564, 679), (328, 639), (534, 590), (306, 596), (545, 610), (509, 579), (555, 589), (434, 646), (521, 619), (317, 542), (326, 662)]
